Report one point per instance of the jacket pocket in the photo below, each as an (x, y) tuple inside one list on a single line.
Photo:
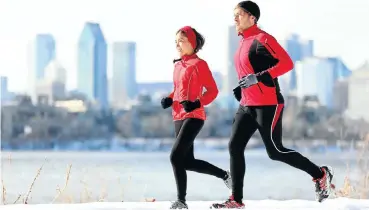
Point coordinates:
[(260, 89), (267, 90)]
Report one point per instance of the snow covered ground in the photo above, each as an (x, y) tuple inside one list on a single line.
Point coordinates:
[(331, 204)]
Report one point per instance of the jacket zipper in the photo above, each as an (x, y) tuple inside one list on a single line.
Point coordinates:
[(270, 47), (177, 76), (239, 58)]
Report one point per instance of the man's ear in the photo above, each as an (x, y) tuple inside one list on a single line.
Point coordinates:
[(253, 18)]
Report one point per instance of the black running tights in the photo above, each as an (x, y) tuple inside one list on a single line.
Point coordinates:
[(268, 120), (182, 155)]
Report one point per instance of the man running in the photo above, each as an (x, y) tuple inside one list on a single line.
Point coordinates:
[(259, 61)]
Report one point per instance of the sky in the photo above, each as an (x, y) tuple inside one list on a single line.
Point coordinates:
[(338, 28)]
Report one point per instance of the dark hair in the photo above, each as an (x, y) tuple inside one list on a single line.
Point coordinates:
[(200, 40)]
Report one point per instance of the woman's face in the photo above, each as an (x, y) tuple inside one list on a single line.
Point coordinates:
[(183, 46)]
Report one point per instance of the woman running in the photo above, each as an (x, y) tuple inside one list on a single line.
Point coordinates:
[(191, 75)]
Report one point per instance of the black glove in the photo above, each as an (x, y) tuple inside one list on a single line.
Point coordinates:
[(166, 102), (189, 106), (237, 93)]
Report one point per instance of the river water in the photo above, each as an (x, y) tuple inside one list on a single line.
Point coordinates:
[(134, 176)]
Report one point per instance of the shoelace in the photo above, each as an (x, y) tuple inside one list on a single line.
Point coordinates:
[(228, 201), (177, 204), (232, 203), (323, 183)]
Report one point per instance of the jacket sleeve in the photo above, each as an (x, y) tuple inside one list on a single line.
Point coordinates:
[(284, 64), (171, 95), (207, 79)]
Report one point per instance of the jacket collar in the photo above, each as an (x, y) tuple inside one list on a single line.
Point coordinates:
[(188, 57), (250, 31)]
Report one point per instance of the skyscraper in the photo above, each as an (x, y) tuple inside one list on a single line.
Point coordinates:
[(231, 78), (52, 86), (44, 52), (298, 50), (4, 87), (232, 45), (317, 77), (92, 64), (307, 48), (342, 71), (358, 91), (124, 72)]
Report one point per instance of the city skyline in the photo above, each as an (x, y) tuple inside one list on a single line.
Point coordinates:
[(43, 53), (115, 19), (123, 82), (92, 60)]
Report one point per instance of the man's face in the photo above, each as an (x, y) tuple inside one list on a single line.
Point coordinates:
[(243, 19)]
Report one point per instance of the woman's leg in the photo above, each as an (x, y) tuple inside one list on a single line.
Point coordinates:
[(186, 132)]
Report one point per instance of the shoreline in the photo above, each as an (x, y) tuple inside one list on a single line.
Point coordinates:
[(164, 144)]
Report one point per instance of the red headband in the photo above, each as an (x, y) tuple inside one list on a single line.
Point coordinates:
[(191, 36)]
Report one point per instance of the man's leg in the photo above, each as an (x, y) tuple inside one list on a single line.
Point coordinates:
[(269, 119), (244, 126)]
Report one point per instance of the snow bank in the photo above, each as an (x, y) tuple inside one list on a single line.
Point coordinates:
[(331, 204)]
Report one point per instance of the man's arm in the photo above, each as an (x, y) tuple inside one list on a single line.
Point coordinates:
[(284, 65)]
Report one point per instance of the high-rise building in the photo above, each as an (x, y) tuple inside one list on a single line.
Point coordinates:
[(231, 78), (342, 71), (307, 48), (55, 72), (49, 92), (315, 77), (124, 82), (44, 52), (52, 86), (4, 87), (297, 49), (318, 77), (358, 86), (92, 65), (341, 95)]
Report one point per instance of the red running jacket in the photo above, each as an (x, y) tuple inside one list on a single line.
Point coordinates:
[(259, 53), (191, 74)]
